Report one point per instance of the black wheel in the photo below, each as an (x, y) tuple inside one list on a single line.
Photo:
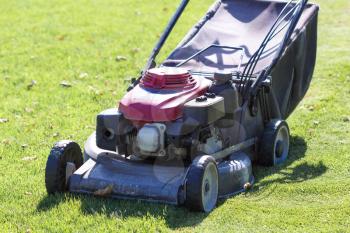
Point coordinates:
[(202, 185), (65, 157), (274, 146)]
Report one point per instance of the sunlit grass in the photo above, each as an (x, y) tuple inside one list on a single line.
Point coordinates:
[(78, 42)]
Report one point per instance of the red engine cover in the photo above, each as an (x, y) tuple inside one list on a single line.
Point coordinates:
[(161, 94)]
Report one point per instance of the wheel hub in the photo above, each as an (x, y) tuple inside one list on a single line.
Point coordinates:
[(209, 187), (279, 148), (70, 169), (206, 187)]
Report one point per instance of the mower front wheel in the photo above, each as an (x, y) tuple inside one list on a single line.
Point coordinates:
[(202, 185), (65, 157)]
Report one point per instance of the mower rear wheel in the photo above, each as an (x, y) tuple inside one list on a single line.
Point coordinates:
[(202, 186), (274, 146), (65, 157)]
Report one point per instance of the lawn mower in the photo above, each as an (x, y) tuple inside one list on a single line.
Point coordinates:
[(188, 129)]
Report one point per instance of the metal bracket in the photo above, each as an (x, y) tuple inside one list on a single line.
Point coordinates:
[(232, 149)]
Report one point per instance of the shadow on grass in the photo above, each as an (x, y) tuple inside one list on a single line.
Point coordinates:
[(176, 217), (287, 173), (51, 201)]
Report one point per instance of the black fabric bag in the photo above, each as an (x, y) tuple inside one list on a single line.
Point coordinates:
[(245, 23)]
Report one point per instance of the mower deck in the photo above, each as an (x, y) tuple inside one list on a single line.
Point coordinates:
[(159, 181)]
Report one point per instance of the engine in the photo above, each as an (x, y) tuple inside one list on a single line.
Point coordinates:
[(170, 114)]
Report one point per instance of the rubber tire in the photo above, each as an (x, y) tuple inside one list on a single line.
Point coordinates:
[(194, 184), (55, 172), (267, 149)]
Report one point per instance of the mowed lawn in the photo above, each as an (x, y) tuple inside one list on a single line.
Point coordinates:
[(62, 62)]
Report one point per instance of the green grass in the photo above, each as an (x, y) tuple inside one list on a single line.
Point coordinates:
[(78, 41)]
